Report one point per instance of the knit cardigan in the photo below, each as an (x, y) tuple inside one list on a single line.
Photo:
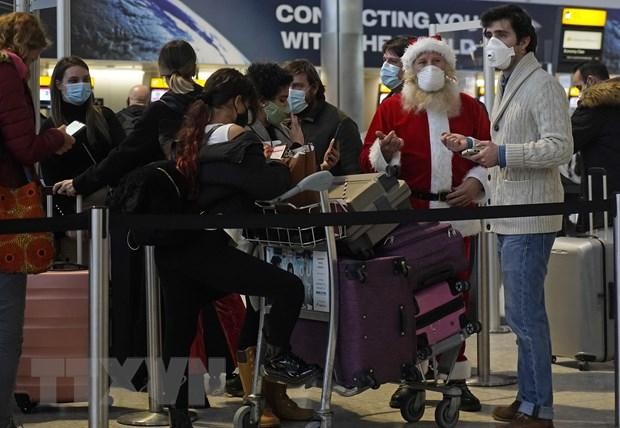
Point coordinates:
[(532, 120)]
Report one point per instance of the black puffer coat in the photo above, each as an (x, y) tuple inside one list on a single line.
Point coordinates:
[(234, 174), (596, 130), (148, 143)]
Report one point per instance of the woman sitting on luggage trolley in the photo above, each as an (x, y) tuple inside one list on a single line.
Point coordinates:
[(227, 171)]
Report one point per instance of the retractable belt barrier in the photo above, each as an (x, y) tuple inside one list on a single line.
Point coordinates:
[(99, 222), (194, 221)]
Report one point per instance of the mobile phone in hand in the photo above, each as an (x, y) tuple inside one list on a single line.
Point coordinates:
[(470, 152), (74, 127)]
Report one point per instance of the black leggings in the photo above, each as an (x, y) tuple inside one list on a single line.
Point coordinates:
[(207, 268)]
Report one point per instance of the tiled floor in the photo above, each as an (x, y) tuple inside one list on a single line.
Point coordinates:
[(583, 399)]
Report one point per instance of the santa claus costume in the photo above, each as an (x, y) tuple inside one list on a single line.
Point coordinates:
[(428, 167)]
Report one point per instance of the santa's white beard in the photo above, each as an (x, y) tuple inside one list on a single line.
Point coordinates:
[(446, 100)]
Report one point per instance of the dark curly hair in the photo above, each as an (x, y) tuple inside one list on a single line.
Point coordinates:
[(268, 78)]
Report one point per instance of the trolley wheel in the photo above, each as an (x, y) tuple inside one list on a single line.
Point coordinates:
[(554, 359), (24, 402), (413, 408), (242, 418), (444, 417)]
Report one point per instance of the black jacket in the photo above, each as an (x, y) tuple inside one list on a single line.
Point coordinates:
[(596, 130), (85, 152), (158, 125), (129, 116), (235, 174), (323, 122)]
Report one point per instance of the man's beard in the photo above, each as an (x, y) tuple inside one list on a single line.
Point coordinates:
[(445, 100)]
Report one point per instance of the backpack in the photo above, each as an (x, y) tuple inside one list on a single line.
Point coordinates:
[(156, 188)]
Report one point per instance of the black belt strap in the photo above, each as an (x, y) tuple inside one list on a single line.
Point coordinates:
[(426, 196)]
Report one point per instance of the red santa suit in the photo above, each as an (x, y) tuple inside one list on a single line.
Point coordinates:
[(425, 163), (427, 166)]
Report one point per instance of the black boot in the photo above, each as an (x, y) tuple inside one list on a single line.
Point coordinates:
[(179, 418), (234, 386), (281, 365), (469, 402)]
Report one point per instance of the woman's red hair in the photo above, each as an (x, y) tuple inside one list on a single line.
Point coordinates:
[(190, 139)]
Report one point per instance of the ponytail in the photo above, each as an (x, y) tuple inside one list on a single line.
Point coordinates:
[(179, 84)]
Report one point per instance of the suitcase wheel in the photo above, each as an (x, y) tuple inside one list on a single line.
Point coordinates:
[(412, 409), (583, 366), (24, 403), (447, 412), (459, 287), (367, 380), (424, 353), (242, 418), (473, 327), (554, 359)]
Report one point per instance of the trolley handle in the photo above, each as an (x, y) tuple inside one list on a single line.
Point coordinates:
[(317, 182)]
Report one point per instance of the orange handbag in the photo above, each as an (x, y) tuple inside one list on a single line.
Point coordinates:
[(24, 252)]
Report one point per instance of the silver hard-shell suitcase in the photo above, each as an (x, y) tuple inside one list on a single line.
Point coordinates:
[(579, 290)]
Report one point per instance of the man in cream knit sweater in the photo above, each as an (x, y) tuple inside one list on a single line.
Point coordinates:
[(530, 137)]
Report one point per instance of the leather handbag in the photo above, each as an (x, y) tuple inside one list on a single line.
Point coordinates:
[(24, 252), (301, 163)]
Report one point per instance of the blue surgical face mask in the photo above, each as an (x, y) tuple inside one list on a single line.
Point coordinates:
[(389, 75), (297, 100), (77, 93)]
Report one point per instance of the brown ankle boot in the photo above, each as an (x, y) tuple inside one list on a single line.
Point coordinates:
[(282, 405), (506, 413), (245, 360)]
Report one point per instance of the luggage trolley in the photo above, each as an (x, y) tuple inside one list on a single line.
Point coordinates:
[(311, 237), (447, 410)]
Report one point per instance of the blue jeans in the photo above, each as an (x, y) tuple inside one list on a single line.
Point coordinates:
[(523, 260), (12, 305)]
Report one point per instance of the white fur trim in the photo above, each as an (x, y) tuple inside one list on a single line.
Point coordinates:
[(480, 173), (461, 370), (441, 156), (428, 44), (377, 160)]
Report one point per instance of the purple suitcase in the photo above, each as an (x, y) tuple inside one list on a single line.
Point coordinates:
[(440, 314), (434, 251), (376, 333)]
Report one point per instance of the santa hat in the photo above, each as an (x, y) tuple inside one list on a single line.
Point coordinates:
[(427, 44)]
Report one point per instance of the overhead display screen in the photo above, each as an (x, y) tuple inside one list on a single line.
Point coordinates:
[(588, 40)]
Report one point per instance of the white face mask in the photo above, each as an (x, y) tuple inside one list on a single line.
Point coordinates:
[(498, 54), (431, 78)]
